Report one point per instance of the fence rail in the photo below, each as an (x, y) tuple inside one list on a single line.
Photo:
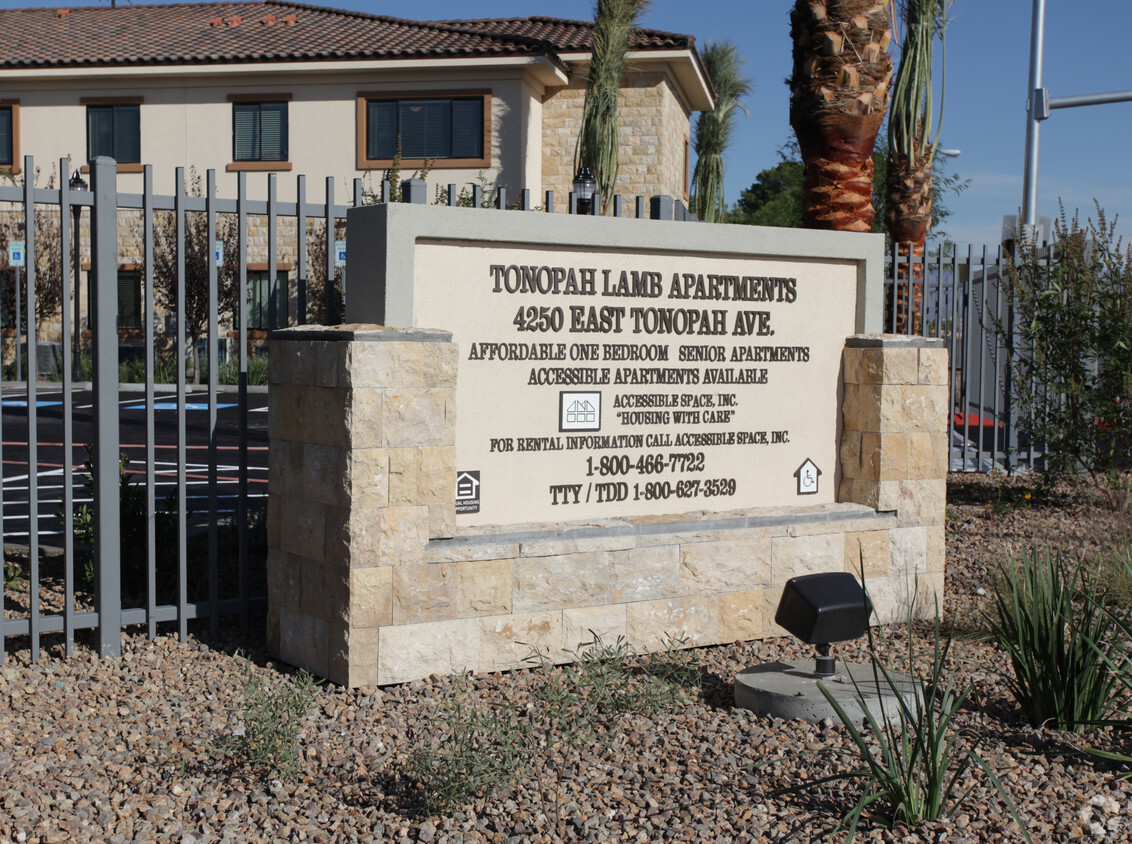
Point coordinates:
[(122, 556)]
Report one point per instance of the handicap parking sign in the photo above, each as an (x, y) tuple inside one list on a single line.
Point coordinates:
[(339, 253), (16, 253)]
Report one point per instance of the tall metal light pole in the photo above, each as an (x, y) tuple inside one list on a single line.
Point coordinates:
[(77, 183), (1038, 106)]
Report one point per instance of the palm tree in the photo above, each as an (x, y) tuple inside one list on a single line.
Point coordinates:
[(713, 129), (598, 137), (838, 97), (911, 149)]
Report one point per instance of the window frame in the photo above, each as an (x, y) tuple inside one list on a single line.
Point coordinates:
[(258, 166), (123, 166), (361, 118), (15, 168)]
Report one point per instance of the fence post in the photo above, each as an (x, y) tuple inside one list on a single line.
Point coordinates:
[(661, 208), (107, 504), (413, 191)]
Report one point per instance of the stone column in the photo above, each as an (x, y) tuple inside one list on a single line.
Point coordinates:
[(894, 457), (362, 474)]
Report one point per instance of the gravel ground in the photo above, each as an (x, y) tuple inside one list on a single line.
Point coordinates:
[(133, 749)]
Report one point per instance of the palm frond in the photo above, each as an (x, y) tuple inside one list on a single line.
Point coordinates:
[(912, 112), (597, 146), (714, 128)]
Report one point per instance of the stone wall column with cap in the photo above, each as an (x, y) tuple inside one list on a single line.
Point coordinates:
[(361, 421), (894, 457)]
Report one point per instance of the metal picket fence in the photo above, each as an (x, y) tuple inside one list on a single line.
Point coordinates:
[(962, 297), (198, 552)]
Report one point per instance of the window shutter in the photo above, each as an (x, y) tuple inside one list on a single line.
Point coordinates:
[(99, 131), (245, 131), (6, 135), (381, 129), (273, 131), (127, 134), (467, 128), (257, 300), (129, 299)]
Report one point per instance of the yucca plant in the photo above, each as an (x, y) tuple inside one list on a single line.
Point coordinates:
[(914, 759), (913, 123), (714, 129), (1066, 657), (598, 138)]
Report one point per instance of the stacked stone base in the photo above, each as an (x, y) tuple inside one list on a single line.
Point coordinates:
[(370, 582)]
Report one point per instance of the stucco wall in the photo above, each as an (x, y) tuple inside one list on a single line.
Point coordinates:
[(187, 121)]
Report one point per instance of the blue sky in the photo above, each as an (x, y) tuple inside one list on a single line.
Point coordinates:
[(1084, 154)]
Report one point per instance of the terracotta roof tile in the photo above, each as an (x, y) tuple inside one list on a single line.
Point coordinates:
[(273, 30)]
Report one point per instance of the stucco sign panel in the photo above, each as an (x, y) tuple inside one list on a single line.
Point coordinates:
[(598, 384)]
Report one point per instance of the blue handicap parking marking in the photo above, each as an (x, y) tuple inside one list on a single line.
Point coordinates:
[(22, 403), (172, 405)]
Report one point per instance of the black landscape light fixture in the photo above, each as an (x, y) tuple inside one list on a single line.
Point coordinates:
[(77, 183), (584, 186), (824, 608)]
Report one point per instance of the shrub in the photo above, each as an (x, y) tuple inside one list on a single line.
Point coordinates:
[(132, 533), (471, 749), (272, 715), (1064, 653), (1070, 347)]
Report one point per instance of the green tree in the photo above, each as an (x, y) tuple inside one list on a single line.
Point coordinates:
[(714, 129), (1070, 347), (775, 198), (197, 257), (598, 137)]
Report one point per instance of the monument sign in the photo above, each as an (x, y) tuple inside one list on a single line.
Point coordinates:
[(534, 429), (614, 383)]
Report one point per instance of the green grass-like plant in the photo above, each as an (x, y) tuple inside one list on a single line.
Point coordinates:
[(1065, 656), (13, 575), (472, 748), (272, 714), (607, 678), (914, 759)]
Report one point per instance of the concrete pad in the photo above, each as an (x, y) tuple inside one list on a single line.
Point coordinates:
[(790, 690)]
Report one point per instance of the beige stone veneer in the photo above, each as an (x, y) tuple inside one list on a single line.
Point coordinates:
[(370, 581)]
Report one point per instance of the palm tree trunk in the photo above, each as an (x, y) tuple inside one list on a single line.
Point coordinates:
[(908, 213), (839, 93)]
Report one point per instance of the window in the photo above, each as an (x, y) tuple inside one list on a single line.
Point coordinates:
[(452, 131), (129, 299), (114, 130), (259, 301), (10, 135), (259, 131)]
